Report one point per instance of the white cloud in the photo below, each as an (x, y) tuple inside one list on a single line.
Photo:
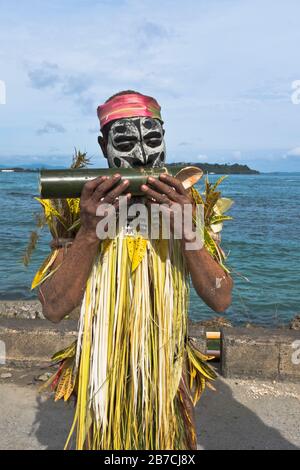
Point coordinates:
[(202, 158), (295, 152), (51, 128), (209, 159), (44, 75)]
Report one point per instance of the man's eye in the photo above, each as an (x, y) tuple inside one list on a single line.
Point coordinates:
[(125, 146), (153, 139), (155, 142)]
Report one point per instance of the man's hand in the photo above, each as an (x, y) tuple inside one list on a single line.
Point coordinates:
[(174, 199), (101, 190)]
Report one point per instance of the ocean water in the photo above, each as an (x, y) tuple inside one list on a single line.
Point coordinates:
[(262, 243)]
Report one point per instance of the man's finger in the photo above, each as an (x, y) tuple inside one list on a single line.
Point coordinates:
[(120, 204), (166, 189), (173, 182), (158, 197), (108, 209), (106, 186), (111, 196), (91, 185)]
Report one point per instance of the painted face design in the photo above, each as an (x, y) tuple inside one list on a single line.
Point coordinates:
[(136, 142)]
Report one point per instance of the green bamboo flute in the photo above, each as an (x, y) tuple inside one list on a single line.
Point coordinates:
[(56, 184)]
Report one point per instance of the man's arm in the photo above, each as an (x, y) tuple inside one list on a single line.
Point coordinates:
[(64, 290), (209, 279)]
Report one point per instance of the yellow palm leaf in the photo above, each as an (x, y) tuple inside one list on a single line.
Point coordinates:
[(222, 205), (49, 210), (130, 242), (65, 353), (44, 269), (105, 245), (64, 383), (196, 196), (162, 248), (69, 387), (139, 252)]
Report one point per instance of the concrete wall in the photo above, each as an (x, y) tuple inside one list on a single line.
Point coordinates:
[(30, 342), (245, 352), (261, 353)]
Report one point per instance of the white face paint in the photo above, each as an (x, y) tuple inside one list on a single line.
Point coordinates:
[(137, 141)]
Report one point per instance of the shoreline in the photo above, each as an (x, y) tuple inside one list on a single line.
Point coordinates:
[(32, 310)]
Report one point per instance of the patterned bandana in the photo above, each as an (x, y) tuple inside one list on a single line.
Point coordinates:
[(126, 106)]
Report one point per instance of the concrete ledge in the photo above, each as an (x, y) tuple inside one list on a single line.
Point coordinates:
[(34, 342), (27, 309), (245, 352), (30, 309), (197, 333), (260, 353), (29, 343)]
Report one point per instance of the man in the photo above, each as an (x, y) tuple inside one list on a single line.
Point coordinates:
[(134, 367), (131, 141)]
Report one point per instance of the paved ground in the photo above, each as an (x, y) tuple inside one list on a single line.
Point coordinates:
[(239, 415)]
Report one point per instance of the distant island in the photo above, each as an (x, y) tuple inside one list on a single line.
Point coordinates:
[(211, 168), (221, 169), (18, 170)]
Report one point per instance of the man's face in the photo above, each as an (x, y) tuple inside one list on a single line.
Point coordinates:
[(134, 142)]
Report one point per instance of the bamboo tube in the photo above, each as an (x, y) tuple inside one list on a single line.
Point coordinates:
[(56, 184)]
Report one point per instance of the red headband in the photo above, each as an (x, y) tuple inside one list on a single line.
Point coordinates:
[(129, 105)]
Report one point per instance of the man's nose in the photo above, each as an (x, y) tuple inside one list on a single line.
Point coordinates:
[(148, 158), (144, 153), (140, 155)]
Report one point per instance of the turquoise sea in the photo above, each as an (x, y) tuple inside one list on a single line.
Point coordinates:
[(262, 242)]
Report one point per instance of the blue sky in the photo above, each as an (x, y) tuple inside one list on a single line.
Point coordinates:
[(222, 71)]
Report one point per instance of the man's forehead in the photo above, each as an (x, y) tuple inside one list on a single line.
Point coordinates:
[(128, 125)]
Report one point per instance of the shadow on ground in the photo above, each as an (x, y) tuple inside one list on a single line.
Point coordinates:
[(52, 423), (222, 422)]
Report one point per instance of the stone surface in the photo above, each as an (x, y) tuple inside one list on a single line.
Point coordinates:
[(215, 323), (260, 353), (27, 309), (44, 377), (289, 360), (6, 375), (197, 333), (295, 323), (28, 342)]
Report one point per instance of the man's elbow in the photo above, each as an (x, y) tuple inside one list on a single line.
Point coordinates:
[(223, 301), (50, 314), (52, 318), (222, 297), (50, 311), (221, 305)]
